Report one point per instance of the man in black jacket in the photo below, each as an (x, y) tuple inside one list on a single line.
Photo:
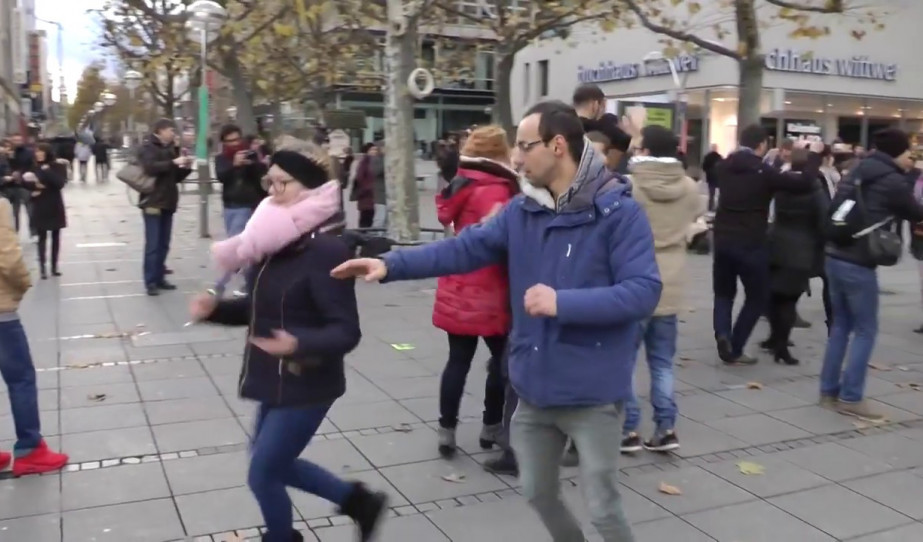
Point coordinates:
[(21, 161), (851, 269), (160, 158), (240, 173), (709, 165), (747, 186)]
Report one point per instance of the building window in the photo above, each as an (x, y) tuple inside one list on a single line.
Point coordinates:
[(542, 78), (526, 82)]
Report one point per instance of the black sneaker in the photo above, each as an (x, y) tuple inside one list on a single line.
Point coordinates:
[(504, 464), (801, 323), (631, 443), (152, 290), (741, 360), (662, 442), (166, 286), (725, 350), (366, 508)]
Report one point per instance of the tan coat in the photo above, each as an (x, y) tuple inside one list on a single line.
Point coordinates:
[(672, 202), (14, 277)]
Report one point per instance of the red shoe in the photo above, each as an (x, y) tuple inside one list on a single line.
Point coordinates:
[(38, 461), (5, 460)]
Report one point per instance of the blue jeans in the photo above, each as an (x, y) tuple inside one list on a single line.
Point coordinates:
[(280, 435), (854, 297), (235, 220), (659, 338), (751, 266), (19, 375), (158, 228)]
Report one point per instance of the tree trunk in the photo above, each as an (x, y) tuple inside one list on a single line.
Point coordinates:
[(503, 109), (401, 183), (277, 124), (240, 91), (751, 87)]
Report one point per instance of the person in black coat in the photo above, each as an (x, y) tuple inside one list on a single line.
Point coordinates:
[(796, 254), (709, 163), (302, 322), (45, 181), (101, 157)]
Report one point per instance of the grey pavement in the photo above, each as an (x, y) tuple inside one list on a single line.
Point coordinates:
[(149, 413)]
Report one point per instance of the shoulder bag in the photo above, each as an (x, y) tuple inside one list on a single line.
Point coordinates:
[(134, 176), (884, 246)]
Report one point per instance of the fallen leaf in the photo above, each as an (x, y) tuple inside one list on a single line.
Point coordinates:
[(914, 386), (400, 347), (882, 368), (754, 386), (903, 368), (403, 428), (669, 490), (78, 366), (750, 468), (685, 358), (454, 478), (97, 397)]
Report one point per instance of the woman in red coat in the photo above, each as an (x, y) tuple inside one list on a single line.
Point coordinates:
[(475, 304)]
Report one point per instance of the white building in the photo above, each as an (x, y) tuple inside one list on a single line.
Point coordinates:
[(834, 86)]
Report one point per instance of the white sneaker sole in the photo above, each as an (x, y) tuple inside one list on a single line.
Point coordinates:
[(665, 448)]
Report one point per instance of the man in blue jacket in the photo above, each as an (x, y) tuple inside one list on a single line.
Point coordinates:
[(582, 277)]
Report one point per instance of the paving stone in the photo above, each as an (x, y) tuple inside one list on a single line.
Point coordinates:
[(754, 522), (148, 521), (504, 520), (398, 447), (423, 482), (400, 529), (95, 376), (834, 462), (839, 511), (102, 417), (187, 410), (892, 448), (906, 533), (179, 388), (350, 417), (218, 511), (168, 370), (99, 445), (669, 529), (115, 485), (764, 400), (207, 473), (701, 489), (700, 439), (192, 435), (38, 528), (780, 476), (84, 396), (312, 507), (339, 456), (896, 490), (705, 407), (758, 429), (47, 418)]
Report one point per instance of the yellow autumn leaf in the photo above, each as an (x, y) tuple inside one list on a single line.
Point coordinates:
[(283, 30), (749, 468), (694, 7), (669, 490)]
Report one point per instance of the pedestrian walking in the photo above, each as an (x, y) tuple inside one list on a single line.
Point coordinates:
[(583, 276), (369, 191), (31, 454), (709, 164), (21, 160), (160, 158), (46, 184), (868, 199), (474, 305), (84, 152), (101, 159), (302, 323)]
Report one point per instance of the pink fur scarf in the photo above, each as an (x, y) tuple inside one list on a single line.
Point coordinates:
[(273, 227)]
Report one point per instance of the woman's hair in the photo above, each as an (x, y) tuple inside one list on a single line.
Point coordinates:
[(48, 150), (799, 158), (488, 142), (366, 147)]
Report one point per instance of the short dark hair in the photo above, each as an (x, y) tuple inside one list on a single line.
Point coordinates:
[(163, 124), (659, 141), (588, 92), (47, 149), (753, 136), (799, 158), (559, 119), (229, 129)]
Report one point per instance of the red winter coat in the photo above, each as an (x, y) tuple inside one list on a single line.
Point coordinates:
[(476, 303)]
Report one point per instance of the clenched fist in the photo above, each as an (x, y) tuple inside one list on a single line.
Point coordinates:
[(541, 300)]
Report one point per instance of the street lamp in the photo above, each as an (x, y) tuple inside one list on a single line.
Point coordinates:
[(205, 18), (132, 82)]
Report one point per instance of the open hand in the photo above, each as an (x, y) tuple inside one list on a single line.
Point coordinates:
[(202, 306), (541, 300), (372, 269), (282, 343)]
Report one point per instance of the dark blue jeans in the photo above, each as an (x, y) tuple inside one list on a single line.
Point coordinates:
[(19, 375), (158, 228), (659, 338), (281, 434), (751, 266), (854, 297)]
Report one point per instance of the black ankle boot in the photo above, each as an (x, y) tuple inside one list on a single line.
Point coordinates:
[(42, 270), (366, 508), (296, 537), (782, 355)]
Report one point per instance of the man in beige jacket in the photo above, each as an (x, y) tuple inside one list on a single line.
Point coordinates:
[(672, 202), (31, 454)]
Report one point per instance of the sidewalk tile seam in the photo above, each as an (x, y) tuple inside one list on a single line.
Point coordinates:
[(100, 365)]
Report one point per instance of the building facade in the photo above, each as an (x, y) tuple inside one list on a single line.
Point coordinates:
[(832, 87)]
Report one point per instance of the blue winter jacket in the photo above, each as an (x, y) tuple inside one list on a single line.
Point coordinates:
[(596, 250)]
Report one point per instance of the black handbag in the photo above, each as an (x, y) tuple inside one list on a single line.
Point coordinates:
[(884, 246)]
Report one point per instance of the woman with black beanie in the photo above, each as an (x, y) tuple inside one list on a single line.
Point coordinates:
[(301, 324)]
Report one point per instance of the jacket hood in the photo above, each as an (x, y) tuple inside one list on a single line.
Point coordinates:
[(472, 173), (661, 179), (877, 165)]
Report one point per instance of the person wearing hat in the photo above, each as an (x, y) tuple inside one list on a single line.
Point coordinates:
[(302, 323), (851, 267)]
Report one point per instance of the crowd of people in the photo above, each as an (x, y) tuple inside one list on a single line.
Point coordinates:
[(567, 257)]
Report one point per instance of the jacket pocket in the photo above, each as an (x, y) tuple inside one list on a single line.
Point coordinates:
[(584, 336)]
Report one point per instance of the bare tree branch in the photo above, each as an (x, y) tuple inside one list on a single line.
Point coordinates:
[(830, 6), (679, 34)]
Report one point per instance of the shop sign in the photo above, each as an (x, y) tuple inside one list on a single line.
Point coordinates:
[(648, 113), (803, 130), (857, 67), (610, 71)]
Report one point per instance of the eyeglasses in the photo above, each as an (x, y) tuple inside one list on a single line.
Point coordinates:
[(526, 146), (268, 183)]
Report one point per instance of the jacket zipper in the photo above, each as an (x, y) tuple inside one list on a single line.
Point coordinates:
[(256, 284)]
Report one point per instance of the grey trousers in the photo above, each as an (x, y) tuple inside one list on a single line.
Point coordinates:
[(538, 437)]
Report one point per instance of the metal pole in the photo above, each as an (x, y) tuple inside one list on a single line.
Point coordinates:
[(131, 117), (204, 171)]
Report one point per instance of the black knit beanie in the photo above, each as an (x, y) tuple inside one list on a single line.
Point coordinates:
[(304, 170), (891, 141)]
